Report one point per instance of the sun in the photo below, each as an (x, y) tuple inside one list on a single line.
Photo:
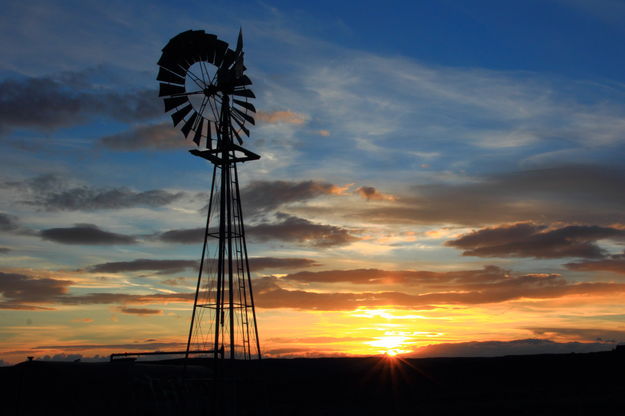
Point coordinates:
[(390, 344)]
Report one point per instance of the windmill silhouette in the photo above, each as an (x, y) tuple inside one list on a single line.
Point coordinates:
[(203, 85)]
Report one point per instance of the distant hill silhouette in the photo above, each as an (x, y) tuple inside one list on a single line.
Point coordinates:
[(515, 347)]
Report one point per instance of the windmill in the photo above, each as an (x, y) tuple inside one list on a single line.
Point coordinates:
[(203, 85)]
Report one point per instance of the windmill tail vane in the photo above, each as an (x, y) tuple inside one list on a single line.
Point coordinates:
[(207, 94)]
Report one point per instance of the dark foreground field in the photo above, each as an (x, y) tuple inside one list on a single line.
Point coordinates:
[(567, 384)]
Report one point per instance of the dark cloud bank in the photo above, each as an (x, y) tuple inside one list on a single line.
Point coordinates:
[(264, 196), (536, 240), (428, 290), (47, 104), (87, 234), (614, 264), (575, 194), (20, 291)]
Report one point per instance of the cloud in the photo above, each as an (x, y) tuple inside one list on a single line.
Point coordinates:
[(170, 266), (160, 136), (536, 240), (183, 236), (575, 194), (477, 287), (47, 104), (300, 230), (265, 196), (90, 199), (18, 289), (615, 264), (288, 117), (83, 320), (318, 340), (501, 348), (8, 222), (178, 281), (487, 274), (53, 193), (161, 266), (424, 289), (287, 228), (104, 298), (141, 311), (370, 193), (261, 263), (85, 234), (581, 334)]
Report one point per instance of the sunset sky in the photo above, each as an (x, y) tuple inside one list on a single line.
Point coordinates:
[(440, 178)]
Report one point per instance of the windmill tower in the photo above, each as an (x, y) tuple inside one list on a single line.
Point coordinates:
[(203, 85)]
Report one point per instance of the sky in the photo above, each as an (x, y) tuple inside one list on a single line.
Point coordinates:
[(437, 177)]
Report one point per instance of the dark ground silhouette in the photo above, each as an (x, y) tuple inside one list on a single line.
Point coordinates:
[(567, 384)]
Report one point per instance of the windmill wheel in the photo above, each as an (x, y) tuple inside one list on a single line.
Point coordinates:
[(199, 75)]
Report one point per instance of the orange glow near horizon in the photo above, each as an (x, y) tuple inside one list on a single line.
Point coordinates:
[(387, 331)]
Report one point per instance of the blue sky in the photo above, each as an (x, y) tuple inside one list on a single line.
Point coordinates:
[(456, 138)]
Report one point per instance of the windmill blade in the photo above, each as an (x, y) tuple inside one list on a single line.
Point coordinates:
[(198, 132), (168, 89), (244, 93), (236, 135), (188, 124), (237, 118), (220, 50), (242, 126), (170, 63), (207, 48), (171, 103), (242, 81), (184, 44), (167, 76), (184, 65), (179, 115), (240, 113), (245, 104), (177, 41)]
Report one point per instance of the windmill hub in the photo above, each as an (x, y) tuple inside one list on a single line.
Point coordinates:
[(211, 90)]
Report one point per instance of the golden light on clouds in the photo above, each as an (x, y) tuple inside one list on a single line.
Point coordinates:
[(288, 117)]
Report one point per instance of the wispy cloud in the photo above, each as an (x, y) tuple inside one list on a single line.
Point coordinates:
[(145, 137), (55, 193)]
